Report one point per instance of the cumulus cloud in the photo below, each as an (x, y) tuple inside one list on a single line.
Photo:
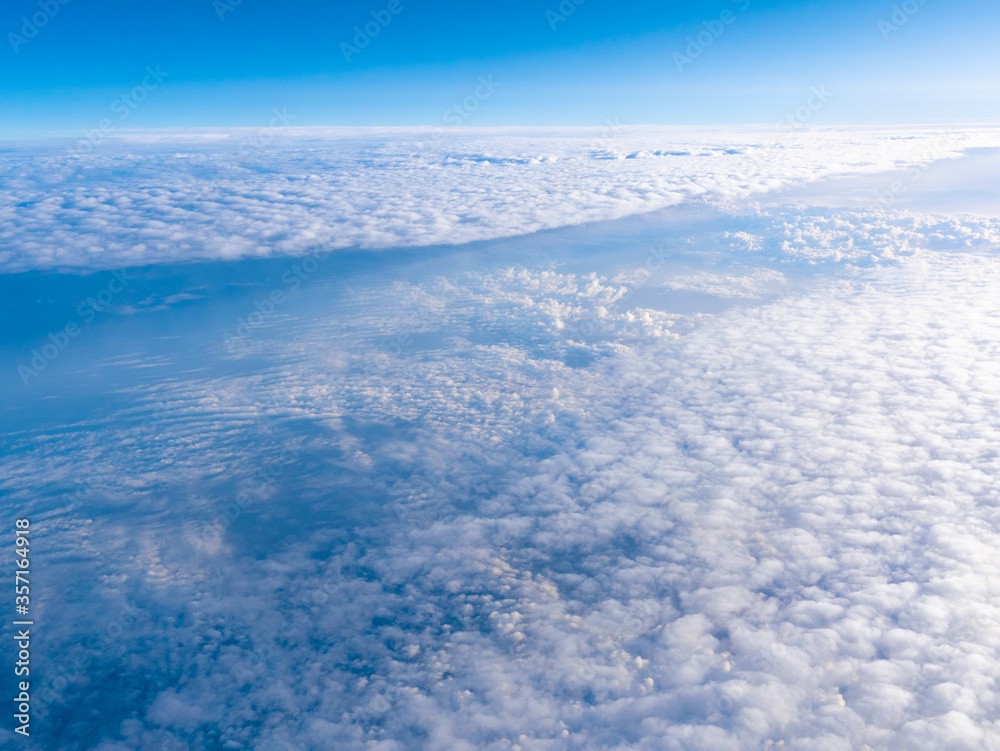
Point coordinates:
[(523, 503), (139, 200)]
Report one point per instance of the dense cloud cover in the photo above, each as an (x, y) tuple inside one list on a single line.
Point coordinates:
[(138, 200), (724, 489)]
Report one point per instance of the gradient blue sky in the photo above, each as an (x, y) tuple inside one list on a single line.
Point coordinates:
[(607, 61)]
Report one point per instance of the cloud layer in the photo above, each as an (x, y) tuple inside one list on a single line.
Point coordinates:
[(140, 200), (733, 490)]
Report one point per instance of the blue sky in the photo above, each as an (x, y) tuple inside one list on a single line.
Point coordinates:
[(227, 64)]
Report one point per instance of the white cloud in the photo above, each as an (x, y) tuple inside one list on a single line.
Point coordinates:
[(773, 527), (174, 199)]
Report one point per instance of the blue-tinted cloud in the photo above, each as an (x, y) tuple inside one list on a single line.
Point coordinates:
[(439, 508)]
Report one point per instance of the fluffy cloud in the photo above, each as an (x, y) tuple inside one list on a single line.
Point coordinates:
[(524, 502), (139, 200)]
